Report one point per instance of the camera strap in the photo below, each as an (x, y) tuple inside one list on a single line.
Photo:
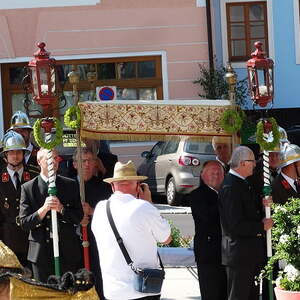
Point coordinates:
[(120, 240)]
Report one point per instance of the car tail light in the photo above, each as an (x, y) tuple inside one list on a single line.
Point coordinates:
[(188, 161)]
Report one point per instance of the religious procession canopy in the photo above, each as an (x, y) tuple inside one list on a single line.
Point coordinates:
[(141, 120)]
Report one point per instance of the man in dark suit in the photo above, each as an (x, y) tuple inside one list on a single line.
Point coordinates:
[(95, 191), (222, 148), (35, 216), (286, 184), (12, 176), (207, 240), (243, 230)]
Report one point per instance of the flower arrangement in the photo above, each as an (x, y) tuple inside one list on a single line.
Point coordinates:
[(286, 241)]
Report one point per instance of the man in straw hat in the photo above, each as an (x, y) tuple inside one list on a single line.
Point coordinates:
[(140, 226)]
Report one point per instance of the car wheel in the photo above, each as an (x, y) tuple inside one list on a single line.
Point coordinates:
[(173, 197)]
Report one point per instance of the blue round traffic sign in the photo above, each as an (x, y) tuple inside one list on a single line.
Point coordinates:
[(106, 93)]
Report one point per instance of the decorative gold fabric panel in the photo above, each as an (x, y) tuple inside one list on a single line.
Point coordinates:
[(20, 290), (151, 120)]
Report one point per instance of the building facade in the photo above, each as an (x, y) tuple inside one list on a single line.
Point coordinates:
[(238, 24), (147, 49)]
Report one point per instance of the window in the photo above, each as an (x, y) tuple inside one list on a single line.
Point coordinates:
[(246, 24), (134, 77)]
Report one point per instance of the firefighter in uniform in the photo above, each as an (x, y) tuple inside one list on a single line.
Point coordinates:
[(11, 177), (20, 124)]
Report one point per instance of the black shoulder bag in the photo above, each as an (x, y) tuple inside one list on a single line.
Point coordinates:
[(145, 280)]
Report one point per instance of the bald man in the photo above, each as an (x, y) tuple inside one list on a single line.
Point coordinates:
[(207, 241)]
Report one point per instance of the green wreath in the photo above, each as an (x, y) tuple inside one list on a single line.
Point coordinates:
[(37, 132), (72, 117), (232, 120), (264, 145)]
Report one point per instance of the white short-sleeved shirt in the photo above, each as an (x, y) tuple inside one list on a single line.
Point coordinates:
[(140, 226)]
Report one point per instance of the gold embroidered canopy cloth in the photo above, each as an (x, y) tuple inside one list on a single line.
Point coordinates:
[(152, 120)]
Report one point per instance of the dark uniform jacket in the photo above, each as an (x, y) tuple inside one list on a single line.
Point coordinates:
[(32, 161), (10, 231), (282, 191), (207, 240), (40, 251), (242, 227)]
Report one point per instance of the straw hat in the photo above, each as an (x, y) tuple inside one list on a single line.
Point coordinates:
[(125, 172)]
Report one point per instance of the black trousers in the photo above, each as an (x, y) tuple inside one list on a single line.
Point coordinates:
[(241, 282), (212, 281)]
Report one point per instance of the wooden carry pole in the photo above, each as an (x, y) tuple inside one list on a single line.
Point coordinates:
[(74, 80)]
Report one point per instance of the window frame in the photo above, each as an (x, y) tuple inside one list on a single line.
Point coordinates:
[(223, 31), (247, 30), (155, 82)]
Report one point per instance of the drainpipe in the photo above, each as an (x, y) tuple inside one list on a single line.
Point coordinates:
[(209, 35)]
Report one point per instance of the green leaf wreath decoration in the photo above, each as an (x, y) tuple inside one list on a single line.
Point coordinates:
[(37, 132), (232, 120), (72, 117), (263, 143)]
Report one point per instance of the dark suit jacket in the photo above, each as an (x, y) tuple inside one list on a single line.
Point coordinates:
[(282, 191), (242, 227), (207, 240), (40, 251), (10, 231)]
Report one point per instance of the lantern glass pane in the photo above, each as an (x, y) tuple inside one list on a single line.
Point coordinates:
[(238, 47), (236, 13), (147, 94), (237, 31), (34, 81), (262, 82), (127, 94), (256, 12), (257, 30), (44, 80)]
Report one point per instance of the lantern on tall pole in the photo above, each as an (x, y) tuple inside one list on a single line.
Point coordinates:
[(44, 83), (260, 76), (261, 88)]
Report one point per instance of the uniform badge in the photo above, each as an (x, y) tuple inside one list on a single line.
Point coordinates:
[(285, 184), (6, 205), (5, 177), (34, 152), (26, 176)]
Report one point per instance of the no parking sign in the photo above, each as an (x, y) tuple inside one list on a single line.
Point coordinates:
[(105, 93)]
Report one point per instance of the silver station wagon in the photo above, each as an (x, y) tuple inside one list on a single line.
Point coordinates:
[(173, 167)]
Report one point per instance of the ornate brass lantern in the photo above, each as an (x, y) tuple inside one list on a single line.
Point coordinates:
[(44, 79), (260, 75)]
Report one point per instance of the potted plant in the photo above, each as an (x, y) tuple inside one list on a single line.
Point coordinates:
[(286, 244)]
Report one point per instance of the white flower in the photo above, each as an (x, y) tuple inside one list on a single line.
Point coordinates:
[(279, 208), (298, 230), (291, 272), (284, 238)]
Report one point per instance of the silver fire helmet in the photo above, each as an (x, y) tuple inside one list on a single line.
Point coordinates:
[(13, 141), (289, 155), (19, 120)]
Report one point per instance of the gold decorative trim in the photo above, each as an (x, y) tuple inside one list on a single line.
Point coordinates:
[(142, 121)]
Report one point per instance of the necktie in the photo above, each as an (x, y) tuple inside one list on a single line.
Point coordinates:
[(296, 183), (17, 181)]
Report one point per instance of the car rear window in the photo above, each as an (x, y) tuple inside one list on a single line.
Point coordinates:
[(198, 147)]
